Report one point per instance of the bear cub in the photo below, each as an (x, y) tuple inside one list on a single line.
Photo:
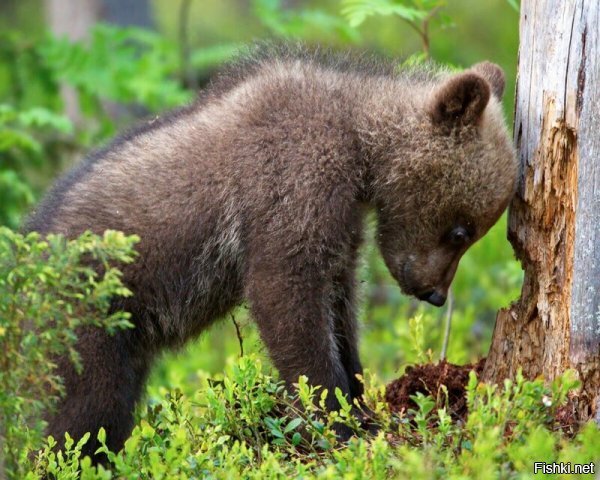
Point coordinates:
[(258, 192)]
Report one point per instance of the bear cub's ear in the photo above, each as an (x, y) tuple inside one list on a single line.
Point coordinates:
[(493, 74), (460, 100)]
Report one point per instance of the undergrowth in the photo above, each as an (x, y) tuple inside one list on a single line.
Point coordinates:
[(243, 424)]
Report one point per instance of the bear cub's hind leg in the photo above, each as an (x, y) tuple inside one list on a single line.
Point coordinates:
[(104, 394)]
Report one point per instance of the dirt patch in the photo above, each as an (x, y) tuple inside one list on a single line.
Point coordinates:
[(428, 379), (566, 417)]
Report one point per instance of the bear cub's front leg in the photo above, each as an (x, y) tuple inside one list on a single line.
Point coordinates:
[(306, 329)]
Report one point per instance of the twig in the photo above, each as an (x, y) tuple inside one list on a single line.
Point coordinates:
[(423, 30), (187, 74), (239, 335), (422, 35), (447, 325), (2, 459)]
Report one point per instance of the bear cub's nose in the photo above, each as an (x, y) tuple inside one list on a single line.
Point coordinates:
[(433, 297)]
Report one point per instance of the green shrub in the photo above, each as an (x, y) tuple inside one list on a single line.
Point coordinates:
[(22, 137), (47, 291), (244, 425)]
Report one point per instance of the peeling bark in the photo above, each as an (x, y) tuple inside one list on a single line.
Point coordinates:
[(554, 220)]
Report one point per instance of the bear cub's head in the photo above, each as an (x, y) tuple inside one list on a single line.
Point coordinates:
[(450, 172)]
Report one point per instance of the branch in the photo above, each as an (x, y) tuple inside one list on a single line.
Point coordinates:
[(239, 335), (188, 77)]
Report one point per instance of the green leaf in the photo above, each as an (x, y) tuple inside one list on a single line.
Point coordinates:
[(42, 117), (514, 4), (293, 425)]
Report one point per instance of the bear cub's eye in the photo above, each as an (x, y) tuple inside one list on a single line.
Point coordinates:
[(458, 237)]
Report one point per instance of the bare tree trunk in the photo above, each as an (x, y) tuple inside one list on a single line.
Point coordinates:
[(554, 221), (73, 20)]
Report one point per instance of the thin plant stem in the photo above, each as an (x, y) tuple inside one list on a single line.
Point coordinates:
[(239, 335), (184, 44), (447, 325)]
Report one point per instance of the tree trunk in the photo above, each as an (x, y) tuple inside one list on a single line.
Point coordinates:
[(554, 220), (128, 12), (73, 20)]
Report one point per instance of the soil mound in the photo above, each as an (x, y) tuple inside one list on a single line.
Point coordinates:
[(428, 379)]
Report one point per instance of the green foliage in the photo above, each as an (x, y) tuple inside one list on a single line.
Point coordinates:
[(357, 11), (202, 59), (21, 147), (417, 14), (514, 4), (301, 24), (243, 424), (48, 290), (133, 67), (127, 65)]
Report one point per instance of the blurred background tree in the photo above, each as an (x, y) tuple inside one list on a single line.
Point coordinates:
[(72, 74)]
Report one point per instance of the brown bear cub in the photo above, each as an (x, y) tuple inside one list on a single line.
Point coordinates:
[(258, 192)]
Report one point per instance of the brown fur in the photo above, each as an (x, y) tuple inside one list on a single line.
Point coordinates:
[(258, 191)]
